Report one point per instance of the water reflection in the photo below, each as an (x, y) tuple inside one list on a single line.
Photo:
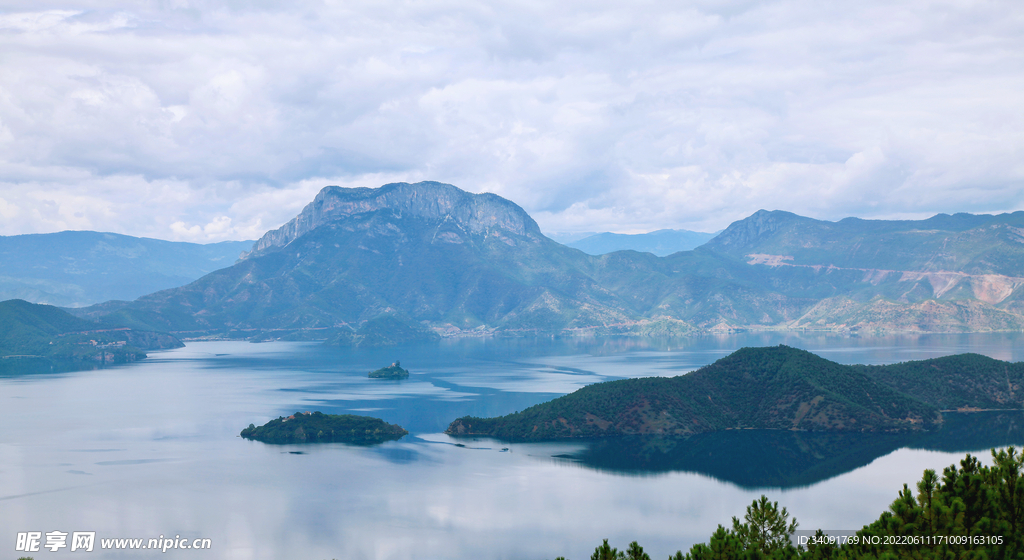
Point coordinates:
[(152, 448), (15, 366), (784, 459)]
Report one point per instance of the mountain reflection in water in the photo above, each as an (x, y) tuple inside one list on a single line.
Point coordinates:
[(785, 459)]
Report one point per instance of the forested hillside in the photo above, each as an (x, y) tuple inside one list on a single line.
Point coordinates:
[(778, 388), (31, 331)]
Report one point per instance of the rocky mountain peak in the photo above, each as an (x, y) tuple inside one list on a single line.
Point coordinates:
[(476, 213), (750, 230)]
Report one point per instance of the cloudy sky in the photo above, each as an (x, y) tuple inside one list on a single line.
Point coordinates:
[(212, 120)]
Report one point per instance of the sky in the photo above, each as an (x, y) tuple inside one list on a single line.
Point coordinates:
[(206, 121)]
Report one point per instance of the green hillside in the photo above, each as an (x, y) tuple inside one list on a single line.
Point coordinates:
[(778, 388), (30, 331), (964, 381), (384, 330)]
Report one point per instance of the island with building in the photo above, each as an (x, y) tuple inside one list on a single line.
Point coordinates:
[(394, 371)]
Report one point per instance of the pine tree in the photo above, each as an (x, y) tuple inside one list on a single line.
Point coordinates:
[(606, 552), (766, 527), (636, 552)]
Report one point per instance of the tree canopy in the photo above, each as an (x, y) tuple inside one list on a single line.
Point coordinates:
[(970, 511)]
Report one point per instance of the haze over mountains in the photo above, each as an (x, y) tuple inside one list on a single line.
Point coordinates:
[(437, 259), (662, 243), (78, 268)]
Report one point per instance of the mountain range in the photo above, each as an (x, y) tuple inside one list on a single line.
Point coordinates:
[(79, 268), (948, 273), (430, 259)]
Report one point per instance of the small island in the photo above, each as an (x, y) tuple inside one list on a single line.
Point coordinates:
[(394, 371), (317, 427)]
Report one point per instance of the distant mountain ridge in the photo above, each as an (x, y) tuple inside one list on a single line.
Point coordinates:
[(78, 268), (959, 272), (966, 243), (429, 259), (662, 242)]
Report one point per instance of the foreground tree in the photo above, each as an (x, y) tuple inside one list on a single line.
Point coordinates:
[(606, 552), (764, 533), (636, 552), (765, 527), (971, 512)]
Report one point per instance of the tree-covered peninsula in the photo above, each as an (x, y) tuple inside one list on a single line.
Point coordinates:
[(394, 371), (779, 388), (316, 427), (35, 337)]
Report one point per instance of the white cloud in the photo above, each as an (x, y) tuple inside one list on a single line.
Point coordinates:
[(35, 21), (209, 120)]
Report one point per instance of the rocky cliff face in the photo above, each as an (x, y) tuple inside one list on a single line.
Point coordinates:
[(476, 213)]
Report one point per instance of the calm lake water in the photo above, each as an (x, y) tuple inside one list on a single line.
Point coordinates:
[(151, 449)]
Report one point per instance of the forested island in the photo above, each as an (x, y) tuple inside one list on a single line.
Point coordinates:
[(779, 388), (394, 371), (316, 427)]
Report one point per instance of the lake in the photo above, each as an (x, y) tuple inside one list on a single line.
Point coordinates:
[(151, 450)]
